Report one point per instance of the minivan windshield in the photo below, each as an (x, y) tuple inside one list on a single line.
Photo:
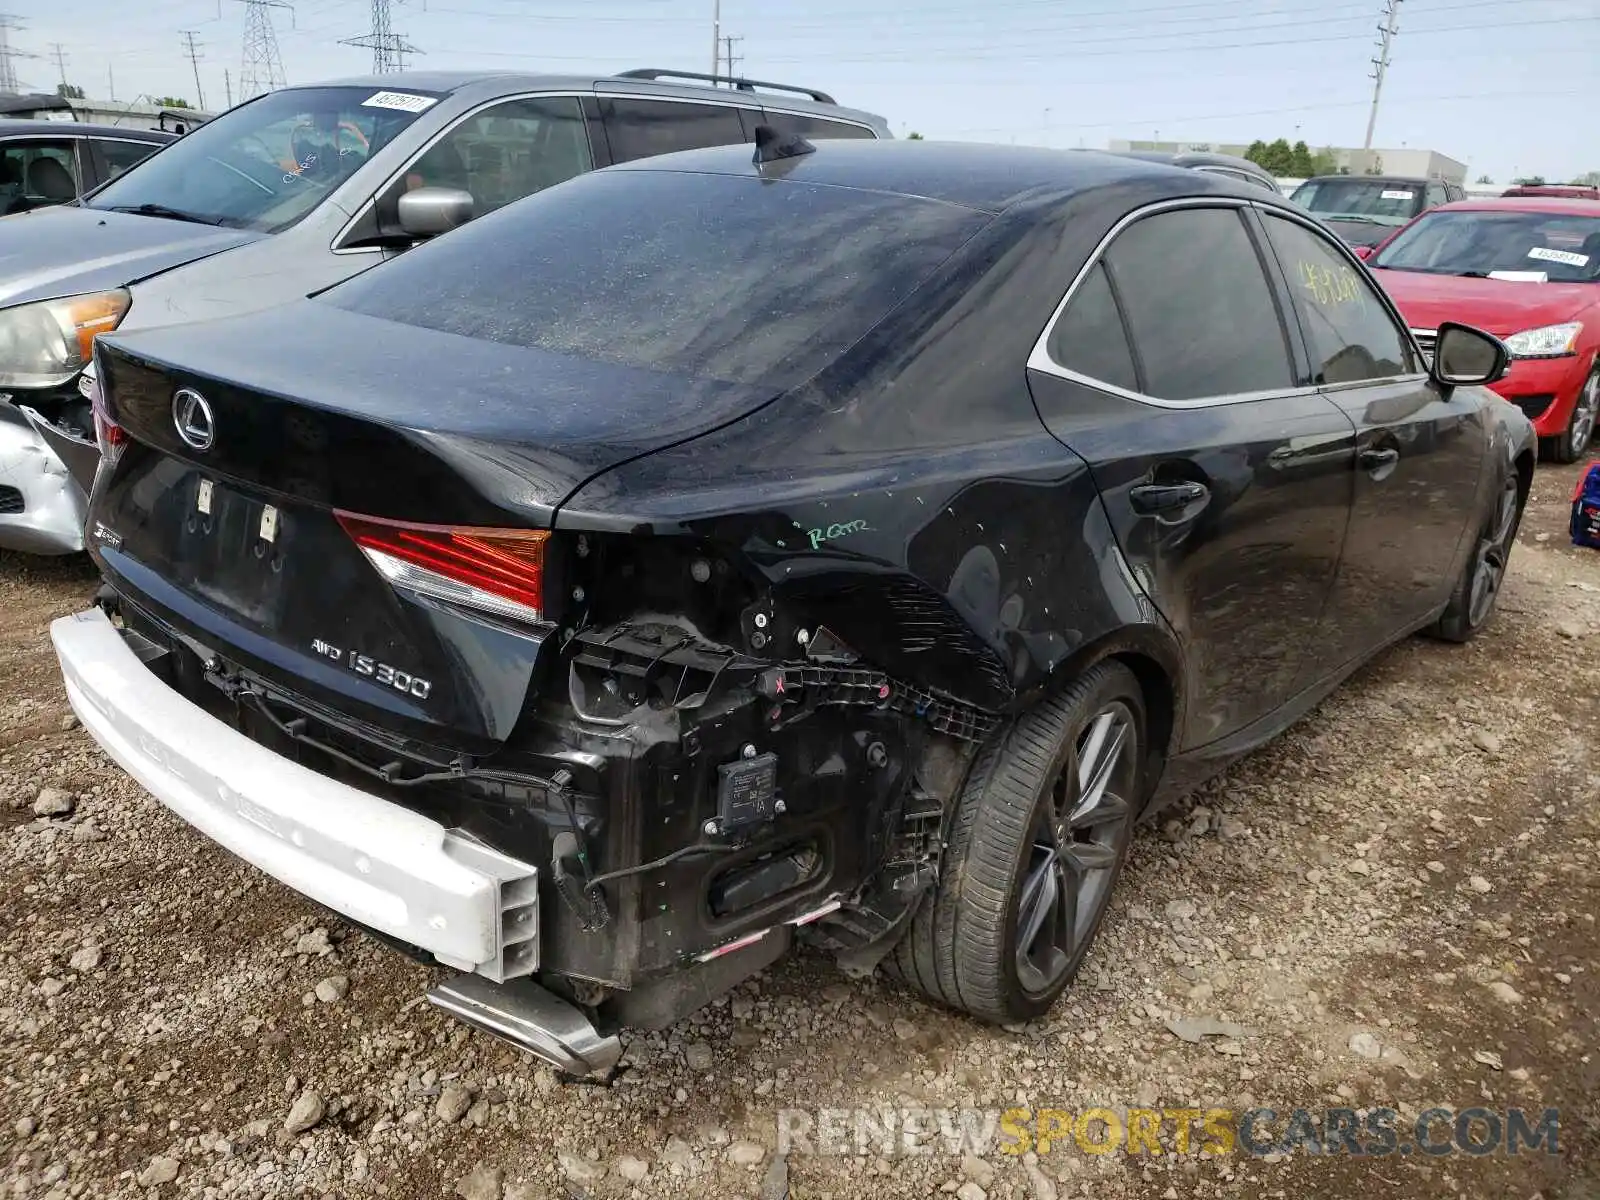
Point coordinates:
[(1378, 201), (742, 279), (265, 164), (1531, 246)]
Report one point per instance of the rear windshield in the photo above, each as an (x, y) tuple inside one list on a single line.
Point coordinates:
[(723, 277), (266, 164)]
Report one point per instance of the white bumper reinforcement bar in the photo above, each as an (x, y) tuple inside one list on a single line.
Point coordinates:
[(384, 866)]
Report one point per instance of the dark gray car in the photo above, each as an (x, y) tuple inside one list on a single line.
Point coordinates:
[(294, 191)]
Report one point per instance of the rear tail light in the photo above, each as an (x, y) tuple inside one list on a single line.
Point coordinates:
[(499, 571), (110, 436)]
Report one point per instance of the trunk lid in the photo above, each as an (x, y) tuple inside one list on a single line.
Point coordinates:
[(236, 543)]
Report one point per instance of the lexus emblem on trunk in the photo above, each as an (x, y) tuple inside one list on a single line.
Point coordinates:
[(192, 416)]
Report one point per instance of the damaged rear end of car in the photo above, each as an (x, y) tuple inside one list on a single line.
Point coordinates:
[(398, 609)]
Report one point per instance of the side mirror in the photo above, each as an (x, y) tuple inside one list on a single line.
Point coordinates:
[(1362, 251), (1463, 355), (429, 211)]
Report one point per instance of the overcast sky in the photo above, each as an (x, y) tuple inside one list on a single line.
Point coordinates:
[(1510, 86)]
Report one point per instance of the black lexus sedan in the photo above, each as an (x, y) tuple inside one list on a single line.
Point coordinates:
[(850, 543)]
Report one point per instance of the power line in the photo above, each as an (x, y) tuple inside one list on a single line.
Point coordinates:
[(1380, 65), (261, 69), (728, 56), (60, 55), (389, 49), (191, 49), (1053, 56)]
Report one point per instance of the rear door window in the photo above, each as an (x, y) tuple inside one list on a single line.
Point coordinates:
[(745, 280), (1198, 306), (638, 128)]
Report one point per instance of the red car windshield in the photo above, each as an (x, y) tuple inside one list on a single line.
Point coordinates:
[(1536, 247)]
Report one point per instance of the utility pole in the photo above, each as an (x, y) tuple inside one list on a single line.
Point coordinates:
[(8, 52), (262, 69), (1386, 35), (227, 86), (111, 83), (389, 49), (716, 37), (728, 42), (192, 49), (61, 62)]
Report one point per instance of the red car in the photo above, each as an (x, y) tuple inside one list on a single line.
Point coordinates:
[(1527, 270)]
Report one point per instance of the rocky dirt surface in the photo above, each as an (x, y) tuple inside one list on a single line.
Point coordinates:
[(1393, 905)]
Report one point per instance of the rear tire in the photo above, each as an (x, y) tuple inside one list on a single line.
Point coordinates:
[(1038, 838), (1572, 445), (1473, 602)]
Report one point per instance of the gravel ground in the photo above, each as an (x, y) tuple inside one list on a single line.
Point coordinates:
[(1395, 903)]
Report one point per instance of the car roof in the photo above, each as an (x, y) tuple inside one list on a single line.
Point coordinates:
[(487, 85), (25, 126), (1197, 158), (976, 175), (1571, 206), (1411, 179)]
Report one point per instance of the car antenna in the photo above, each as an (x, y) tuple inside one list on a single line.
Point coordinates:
[(772, 145)]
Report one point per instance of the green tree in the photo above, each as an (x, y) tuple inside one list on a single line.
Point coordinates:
[(1530, 180), (1300, 161), (170, 102), (1589, 179), (1484, 179), (69, 91), (1323, 162), (915, 137), (1279, 158), (1257, 153), (1375, 167)]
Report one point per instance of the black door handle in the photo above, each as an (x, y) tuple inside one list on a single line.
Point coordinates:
[(1159, 499), (1378, 462)]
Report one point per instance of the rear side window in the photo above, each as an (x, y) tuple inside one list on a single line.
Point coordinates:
[(1198, 306), (813, 127), (120, 155), (644, 128), (731, 278), (1089, 337), (1436, 195), (1352, 335)]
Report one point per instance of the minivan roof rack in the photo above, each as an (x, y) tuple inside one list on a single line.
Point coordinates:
[(738, 82)]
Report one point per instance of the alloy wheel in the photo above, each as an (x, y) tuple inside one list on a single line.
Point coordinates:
[(1494, 550), (1584, 415), (1081, 827)]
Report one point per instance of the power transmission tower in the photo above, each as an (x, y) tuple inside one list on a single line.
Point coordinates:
[(61, 61), (728, 42), (263, 67), (8, 52), (191, 48), (1386, 35), (389, 49)]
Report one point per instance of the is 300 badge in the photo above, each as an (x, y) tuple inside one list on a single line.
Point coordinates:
[(379, 672)]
